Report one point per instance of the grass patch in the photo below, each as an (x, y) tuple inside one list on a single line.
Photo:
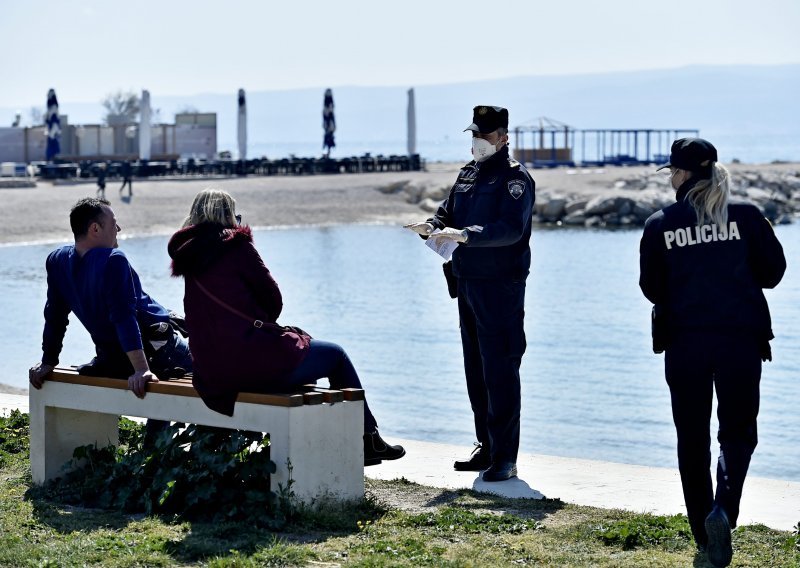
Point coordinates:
[(446, 529), (670, 533)]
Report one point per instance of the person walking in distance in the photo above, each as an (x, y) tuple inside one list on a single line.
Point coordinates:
[(127, 175)]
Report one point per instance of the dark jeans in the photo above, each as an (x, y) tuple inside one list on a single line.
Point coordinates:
[(492, 314), (696, 364), (326, 359), (166, 363)]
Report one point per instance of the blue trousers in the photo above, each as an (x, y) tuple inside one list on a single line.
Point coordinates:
[(492, 314), (695, 365), (326, 359)]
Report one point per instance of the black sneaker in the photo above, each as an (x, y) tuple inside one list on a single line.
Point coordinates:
[(478, 461), (500, 471), (718, 529), (376, 449)]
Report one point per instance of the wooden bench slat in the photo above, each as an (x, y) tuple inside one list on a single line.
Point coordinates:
[(329, 395), (180, 387), (353, 394)]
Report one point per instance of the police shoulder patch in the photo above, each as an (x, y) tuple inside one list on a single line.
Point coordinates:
[(516, 188)]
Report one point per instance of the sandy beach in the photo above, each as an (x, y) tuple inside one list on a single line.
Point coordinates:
[(41, 214)]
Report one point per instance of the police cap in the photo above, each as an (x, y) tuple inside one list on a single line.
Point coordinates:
[(693, 155), (487, 119)]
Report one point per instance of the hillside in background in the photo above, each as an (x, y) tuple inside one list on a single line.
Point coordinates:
[(749, 112)]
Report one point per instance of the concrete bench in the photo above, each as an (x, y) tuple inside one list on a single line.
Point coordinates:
[(319, 432)]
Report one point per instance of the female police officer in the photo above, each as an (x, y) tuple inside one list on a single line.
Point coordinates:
[(704, 261)]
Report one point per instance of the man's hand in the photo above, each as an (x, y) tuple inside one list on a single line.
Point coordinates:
[(137, 382), (457, 235), (423, 229), (37, 373)]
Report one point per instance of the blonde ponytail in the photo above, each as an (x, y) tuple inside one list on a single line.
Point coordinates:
[(709, 197)]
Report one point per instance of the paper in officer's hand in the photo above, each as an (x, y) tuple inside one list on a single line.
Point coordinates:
[(443, 247)]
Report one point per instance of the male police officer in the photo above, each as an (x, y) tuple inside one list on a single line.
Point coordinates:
[(488, 212)]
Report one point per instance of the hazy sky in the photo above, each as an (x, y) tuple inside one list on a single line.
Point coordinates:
[(87, 48)]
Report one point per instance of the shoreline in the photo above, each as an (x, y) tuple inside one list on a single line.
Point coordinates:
[(40, 215)]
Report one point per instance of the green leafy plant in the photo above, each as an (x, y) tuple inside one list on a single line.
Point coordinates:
[(14, 439), (193, 472), (793, 542), (645, 530)]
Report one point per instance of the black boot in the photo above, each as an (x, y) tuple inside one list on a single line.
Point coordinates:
[(718, 529), (376, 449), (478, 461)]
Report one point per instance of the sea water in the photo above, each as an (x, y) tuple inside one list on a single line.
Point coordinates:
[(591, 386)]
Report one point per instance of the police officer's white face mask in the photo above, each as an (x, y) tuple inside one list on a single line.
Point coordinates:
[(482, 149)]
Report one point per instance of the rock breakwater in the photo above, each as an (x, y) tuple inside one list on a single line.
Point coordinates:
[(629, 198)]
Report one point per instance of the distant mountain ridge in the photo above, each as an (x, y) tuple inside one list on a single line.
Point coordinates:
[(750, 112)]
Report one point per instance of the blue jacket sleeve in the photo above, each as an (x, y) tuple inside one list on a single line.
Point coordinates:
[(56, 316), (120, 300), (441, 218), (515, 215)]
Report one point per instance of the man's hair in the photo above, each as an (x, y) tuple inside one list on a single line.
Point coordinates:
[(85, 212)]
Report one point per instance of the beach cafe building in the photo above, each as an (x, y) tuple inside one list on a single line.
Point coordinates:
[(548, 143), (192, 135)]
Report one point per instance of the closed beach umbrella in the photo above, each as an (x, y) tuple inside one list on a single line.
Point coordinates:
[(328, 122), (144, 126), (242, 126), (52, 126), (411, 117)]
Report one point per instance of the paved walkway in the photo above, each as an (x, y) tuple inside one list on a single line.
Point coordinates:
[(657, 490), (608, 485)]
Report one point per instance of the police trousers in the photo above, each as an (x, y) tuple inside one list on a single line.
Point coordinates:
[(492, 313), (696, 364)]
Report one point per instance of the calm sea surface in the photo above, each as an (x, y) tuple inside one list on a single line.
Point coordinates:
[(592, 388)]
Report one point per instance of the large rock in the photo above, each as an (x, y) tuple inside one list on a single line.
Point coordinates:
[(429, 205), (603, 204), (394, 187), (553, 209), (575, 206), (574, 219), (412, 192)]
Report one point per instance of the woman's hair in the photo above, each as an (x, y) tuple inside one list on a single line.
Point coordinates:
[(709, 197), (212, 206)]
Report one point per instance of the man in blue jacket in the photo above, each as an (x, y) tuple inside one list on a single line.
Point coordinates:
[(134, 336), (488, 212)]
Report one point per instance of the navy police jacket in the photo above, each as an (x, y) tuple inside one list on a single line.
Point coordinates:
[(493, 200), (709, 277)]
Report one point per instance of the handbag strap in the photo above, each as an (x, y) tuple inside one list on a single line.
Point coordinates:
[(257, 323)]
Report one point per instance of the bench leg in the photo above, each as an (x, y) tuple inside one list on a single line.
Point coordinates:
[(326, 449), (56, 432)]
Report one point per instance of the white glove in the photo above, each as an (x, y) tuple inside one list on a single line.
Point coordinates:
[(457, 235), (420, 228)]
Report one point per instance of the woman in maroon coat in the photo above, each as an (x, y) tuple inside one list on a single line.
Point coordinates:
[(227, 288)]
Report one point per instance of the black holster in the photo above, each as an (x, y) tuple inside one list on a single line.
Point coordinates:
[(659, 329), (452, 281)]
